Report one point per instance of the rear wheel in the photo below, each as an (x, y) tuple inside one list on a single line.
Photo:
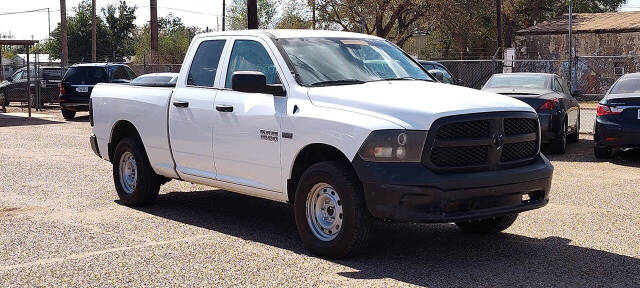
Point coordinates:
[(68, 114), (135, 181), (602, 152), (575, 136), (491, 225), (330, 211), (559, 144)]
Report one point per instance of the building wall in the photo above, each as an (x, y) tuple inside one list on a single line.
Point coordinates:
[(556, 46)]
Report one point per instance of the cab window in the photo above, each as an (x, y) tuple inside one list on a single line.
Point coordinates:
[(249, 55), (204, 65)]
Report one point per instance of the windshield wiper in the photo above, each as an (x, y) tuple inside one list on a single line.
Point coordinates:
[(402, 78), (338, 82)]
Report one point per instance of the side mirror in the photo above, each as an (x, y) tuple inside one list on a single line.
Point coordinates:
[(254, 82), (577, 94), (437, 74)]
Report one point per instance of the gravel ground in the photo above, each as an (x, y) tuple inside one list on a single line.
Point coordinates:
[(61, 225)]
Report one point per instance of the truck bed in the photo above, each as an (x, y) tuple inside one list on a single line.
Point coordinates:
[(143, 106)]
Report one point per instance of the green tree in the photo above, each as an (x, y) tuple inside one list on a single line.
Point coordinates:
[(120, 29), (237, 11), (173, 41), (79, 37), (295, 15)]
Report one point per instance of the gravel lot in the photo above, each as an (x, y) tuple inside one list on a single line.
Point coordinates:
[(61, 225)]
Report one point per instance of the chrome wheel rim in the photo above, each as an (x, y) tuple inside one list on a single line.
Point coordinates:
[(324, 212), (128, 172)]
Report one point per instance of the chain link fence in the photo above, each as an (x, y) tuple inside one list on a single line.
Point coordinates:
[(593, 75)]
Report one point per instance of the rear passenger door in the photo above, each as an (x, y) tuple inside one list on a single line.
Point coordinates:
[(191, 112)]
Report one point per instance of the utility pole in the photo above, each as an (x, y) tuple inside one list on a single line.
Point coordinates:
[(224, 8), (252, 14), (313, 14), (93, 31), (49, 20), (571, 52), (63, 27), (499, 24), (154, 30)]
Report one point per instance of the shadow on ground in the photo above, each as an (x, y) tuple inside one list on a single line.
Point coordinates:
[(583, 152), (425, 255), (11, 121)]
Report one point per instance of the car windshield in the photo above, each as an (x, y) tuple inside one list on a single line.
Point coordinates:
[(86, 75), (339, 61), (626, 86), (518, 81), (152, 79)]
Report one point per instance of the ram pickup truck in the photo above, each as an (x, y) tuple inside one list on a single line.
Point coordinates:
[(346, 127)]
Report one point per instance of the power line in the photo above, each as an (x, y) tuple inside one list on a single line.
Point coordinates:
[(27, 11)]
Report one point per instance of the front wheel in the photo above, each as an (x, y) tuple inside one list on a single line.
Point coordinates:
[(602, 152), (330, 211), (135, 181), (486, 226)]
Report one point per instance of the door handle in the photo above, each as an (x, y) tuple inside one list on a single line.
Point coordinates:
[(181, 104), (224, 108)]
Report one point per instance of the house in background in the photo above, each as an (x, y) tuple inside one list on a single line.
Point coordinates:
[(607, 45)]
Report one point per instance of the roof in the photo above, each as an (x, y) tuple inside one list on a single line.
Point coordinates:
[(524, 74), (17, 42), (588, 23), (95, 64), (289, 33)]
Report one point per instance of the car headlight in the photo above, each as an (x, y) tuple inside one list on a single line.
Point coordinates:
[(393, 146)]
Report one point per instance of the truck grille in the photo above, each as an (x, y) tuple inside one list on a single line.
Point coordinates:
[(486, 141)]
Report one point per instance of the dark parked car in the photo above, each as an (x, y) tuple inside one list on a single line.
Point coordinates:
[(558, 110), (439, 71), (156, 79), (77, 83), (14, 88), (617, 122)]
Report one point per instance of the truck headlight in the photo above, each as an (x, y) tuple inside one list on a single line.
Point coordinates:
[(393, 146)]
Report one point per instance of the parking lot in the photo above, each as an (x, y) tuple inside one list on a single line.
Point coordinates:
[(61, 225)]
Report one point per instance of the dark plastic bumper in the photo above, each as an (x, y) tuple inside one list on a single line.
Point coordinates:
[(409, 192), (94, 145), (609, 133)]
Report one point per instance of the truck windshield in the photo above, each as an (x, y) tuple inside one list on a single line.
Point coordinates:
[(341, 61)]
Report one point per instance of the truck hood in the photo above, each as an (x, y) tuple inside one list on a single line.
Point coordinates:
[(412, 104)]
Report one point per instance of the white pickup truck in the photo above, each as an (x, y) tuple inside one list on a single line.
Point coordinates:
[(346, 127)]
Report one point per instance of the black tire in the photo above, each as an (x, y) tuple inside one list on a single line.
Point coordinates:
[(575, 137), (357, 223), (602, 152), (559, 144), (68, 114), (147, 182), (487, 226)]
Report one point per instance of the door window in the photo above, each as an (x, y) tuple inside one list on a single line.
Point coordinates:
[(120, 73), (205, 63), (556, 86), (17, 76), (249, 55)]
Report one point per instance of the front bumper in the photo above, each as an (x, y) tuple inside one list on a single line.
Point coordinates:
[(409, 192), (609, 133)]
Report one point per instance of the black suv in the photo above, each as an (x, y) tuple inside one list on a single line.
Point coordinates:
[(14, 89), (77, 83)]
